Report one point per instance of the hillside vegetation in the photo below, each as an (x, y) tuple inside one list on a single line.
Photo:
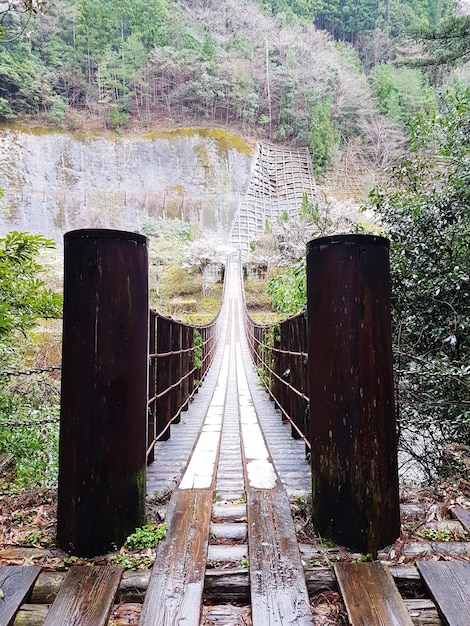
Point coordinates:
[(321, 72)]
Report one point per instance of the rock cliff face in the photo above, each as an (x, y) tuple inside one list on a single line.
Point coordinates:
[(55, 182)]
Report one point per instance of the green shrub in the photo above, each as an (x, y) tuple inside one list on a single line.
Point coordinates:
[(146, 537)]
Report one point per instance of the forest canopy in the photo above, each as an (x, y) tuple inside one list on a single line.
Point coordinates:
[(322, 73)]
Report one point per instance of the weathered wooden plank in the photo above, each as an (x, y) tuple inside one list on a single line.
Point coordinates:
[(131, 588), (220, 585), (227, 552), (448, 583), (175, 589), (31, 615), (34, 615), (225, 615), (456, 549), (370, 595), (278, 589), (86, 596), (227, 585), (236, 531), (423, 612), (463, 515), (229, 512), (47, 587), (15, 583)]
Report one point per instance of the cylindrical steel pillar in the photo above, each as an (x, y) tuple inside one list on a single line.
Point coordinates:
[(352, 415), (102, 467)]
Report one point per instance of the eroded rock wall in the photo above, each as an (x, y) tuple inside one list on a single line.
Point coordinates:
[(55, 182)]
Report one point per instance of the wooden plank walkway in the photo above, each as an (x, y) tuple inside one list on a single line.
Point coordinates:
[(235, 464), (370, 595), (174, 594), (463, 515), (244, 466), (15, 584), (449, 586), (86, 597), (176, 586), (278, 589)]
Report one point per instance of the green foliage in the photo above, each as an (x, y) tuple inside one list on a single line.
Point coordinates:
[(269, 338), (34, 444), (133, 561), (302, 8), (402, 93), (323, 137), (447, 43), (348, 19), (118, 118), (425, 212), (146, 537), (364, 558), (140, 60), (288, 289), (57, 111), (161, 228), (23, 297), (23, 79), (208, 48), (445, 534), (5, 110), (286, 286), (198, 345)]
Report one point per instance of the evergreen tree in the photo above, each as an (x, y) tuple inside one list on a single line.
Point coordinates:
[(446, 44)]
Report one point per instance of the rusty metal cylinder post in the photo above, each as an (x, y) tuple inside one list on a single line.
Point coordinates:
[(352, 415), (102, 450)]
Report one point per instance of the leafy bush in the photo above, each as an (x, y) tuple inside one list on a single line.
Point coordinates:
[(35, 445), (58, 110), (118, 118), (402, 93), (146, 537), (23, 296), (425, 212), (198, 345), (288, 289), (5, 110), (324, 137)]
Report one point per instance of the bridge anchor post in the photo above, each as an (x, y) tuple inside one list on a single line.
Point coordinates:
[(352, 415), (102, 449)]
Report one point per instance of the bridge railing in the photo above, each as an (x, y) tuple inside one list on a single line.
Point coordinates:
[(179, 357), (279, 353)]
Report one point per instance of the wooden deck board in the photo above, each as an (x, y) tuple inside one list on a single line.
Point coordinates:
[(448, 583), (278, 588), (174, 594), (16, 583), (86, 596), (463, 515), (370, 595)]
